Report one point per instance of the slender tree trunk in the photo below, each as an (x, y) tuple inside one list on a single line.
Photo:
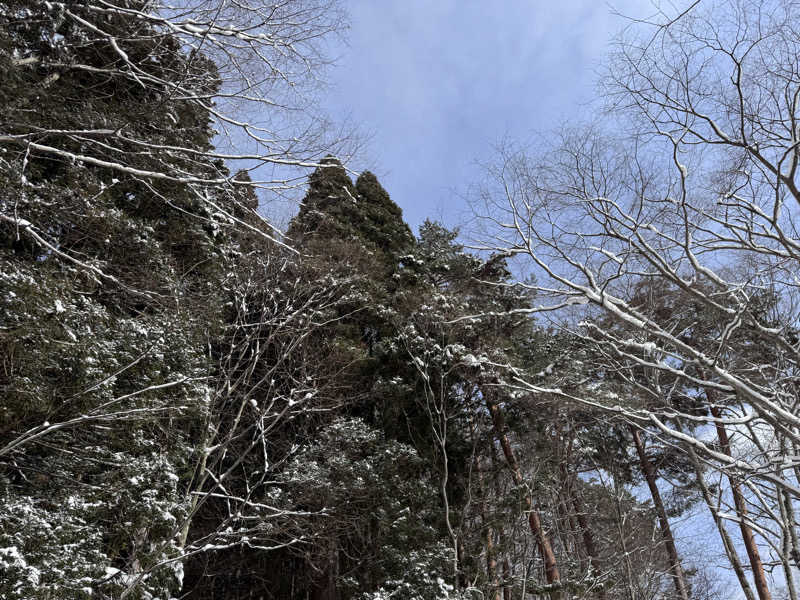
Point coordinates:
[(501, 534), (792, 535), (739, 502), (572, 499), (552, 575), (565, 527), (623, 545), (491, 564), (491, 552), (588, 537), (324, 587), (676, 571), (727, 542), (786, 544), (506, 578), (585, 530), (791, 545), (566, 530)]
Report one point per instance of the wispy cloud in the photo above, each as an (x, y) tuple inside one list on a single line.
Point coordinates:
[(438, 82)]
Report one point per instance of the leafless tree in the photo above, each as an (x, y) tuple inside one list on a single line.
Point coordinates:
[(668, 230)]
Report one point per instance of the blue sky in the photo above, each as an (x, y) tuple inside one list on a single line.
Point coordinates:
[(437, 83)]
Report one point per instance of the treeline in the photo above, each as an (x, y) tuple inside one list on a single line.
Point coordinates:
[(196, 406)]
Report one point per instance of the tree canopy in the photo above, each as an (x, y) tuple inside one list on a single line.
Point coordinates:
[(196, 405)]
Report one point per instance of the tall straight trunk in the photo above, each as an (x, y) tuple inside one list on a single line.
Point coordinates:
[(491, 564), (552, 575), (788, 533), (676, 571), (588, 537), (324, 585), (506, 577), (786, 544), (566, 529), (759, 577), (621, 528), (501, 534), (727, 542), (569, 482), (585, 529), (491, 551)]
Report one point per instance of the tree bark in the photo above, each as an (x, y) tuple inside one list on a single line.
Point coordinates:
[(506, 579), (727, 542), (759, 578), (588, 537), (491, 564), (491, 551), (676, 571), (552, 575), (501, 534), (324, 586), (626, 555), (569, 482)]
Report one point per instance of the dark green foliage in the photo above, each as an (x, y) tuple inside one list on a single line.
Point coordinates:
[(329, 210), (110, 291), (364, 214), (190, 412), (383, 223)]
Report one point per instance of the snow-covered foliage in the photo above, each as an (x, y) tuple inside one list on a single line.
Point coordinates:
[(352, 471), (664, 238), (192, 409)]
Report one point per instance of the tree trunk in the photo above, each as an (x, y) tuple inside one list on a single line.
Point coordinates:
[(727, 542), (621, 528), (491, 552), (491, 564), (552, 575), (324, 586), (739, 502), (672, 552), (569, 483), (501, 534), (506, 579), (588, 537), (786, 545)]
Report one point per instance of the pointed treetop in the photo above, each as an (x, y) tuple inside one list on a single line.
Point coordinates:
[(363, 213)]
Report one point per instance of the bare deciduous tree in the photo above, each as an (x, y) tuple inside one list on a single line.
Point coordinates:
[(686, 187)]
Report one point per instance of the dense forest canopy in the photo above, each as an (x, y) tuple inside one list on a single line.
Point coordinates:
[(194, 404)]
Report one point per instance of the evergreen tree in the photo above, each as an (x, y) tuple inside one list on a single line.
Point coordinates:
[(110, 293), (189, 410), (357, 233)]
